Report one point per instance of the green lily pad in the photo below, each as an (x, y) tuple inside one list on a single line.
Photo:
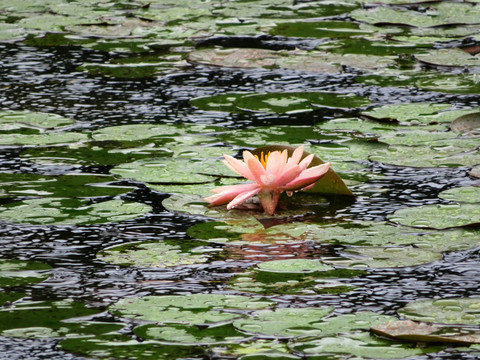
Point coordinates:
[(417, 113), (50, 320), (466, 194), (284, 322), (465, 83), (309, 61), (437, 14), (361, 346), (441, 153), (11, 32), (299, 266), (298, 102), (422, 332), (172, 171), (117, 346), (255, 349), (190, 335), (19, 273), (303, 322), (445, 311), (323, 29), (52, 138), (193, 309), (135, 132), (383, 257), (14, 120), (151, 255), (8, 297), (357, 128), (90, 155), (70, 185), (64, 211), (450, 57), (441, 216)]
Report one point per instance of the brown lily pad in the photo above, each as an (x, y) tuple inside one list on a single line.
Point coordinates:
[(423, 332), (467, 125)]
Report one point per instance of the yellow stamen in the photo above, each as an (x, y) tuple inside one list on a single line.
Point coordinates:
[(263, 159)]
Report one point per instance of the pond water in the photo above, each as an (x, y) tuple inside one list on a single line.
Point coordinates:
[(110, 138)]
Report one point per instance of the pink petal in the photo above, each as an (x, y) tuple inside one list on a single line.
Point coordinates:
[(238, 166), (308, 177), (297, 155), (255, 167), (240, 198), (287, 176), (305, 162), (225, 194), (274, 163)]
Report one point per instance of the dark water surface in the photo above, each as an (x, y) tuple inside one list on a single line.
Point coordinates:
[(47, 80)]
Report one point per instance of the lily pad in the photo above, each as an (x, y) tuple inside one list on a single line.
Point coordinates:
[(191, 335), (70, 185), (298, 102), (135, 132), (323, 29), (51, 138), (49, 320), (299, 266), (64, 211), (383, 257), (19, 273), (309, 61), (196, 309), (467, 125), (466, 194), (361, 346), (284, 322), (172, 171), (417, 113), (453, 57), (117, 346), (475, 171), (303, 322), (422, 332), (441, 216), (14, 120), (151, 255), (445, 311)]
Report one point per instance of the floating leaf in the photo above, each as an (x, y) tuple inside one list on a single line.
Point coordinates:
[(441, 216), (361, 346), (14, 120), (324, 29), (116, 346), (193, 309), (383, 257), (309, 61), (421, 332), (49, 320), (190, 335), (445, 311), (467, 125), (292, 323), (151, 255), (70, 185), (284, 322), (450, 57), (19, 273), (417, 113), (466, 194), (64, 211), (475, 171), (134, 132), (172, 171), (53, 138), (299, 266)]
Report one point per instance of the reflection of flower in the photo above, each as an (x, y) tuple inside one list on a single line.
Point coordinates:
[(271, 175)]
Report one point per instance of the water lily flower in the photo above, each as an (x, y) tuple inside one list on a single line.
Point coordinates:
[(269, 176)]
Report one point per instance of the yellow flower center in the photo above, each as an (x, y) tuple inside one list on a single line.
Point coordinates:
[(263, 158)]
